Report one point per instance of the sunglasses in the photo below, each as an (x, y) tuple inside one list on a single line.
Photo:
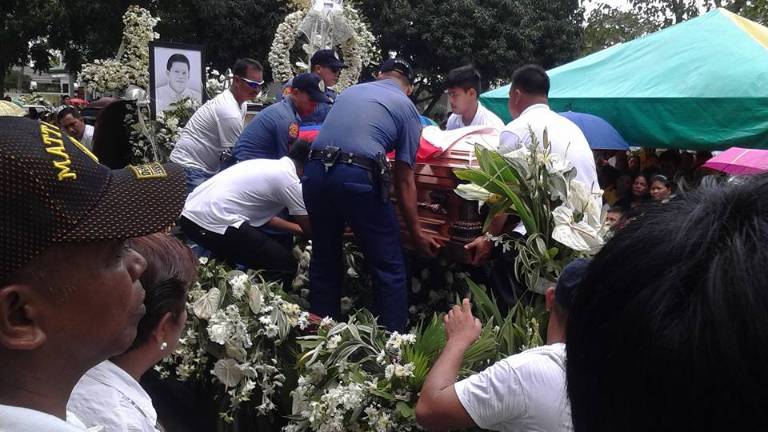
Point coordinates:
[(256, 85)]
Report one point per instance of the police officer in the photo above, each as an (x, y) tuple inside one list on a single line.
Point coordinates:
[(269, 134), (325, 64), (347, 182)]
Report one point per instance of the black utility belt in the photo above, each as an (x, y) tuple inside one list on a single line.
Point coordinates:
[(330, 156)]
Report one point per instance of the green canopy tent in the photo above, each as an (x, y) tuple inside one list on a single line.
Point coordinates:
[(700, 85)]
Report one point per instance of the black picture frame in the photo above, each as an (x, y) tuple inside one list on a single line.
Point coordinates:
[(159, 53)]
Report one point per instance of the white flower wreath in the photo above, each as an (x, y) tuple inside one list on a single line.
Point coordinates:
[(357, 52)]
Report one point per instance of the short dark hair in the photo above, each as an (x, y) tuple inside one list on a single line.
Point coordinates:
[(531, 79), (67, 111), (171, 271), (617, 209), (177, 58), (300, 151), (242, 65), (669, 331), (464, 77)]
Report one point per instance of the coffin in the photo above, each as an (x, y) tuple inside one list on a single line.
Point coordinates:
[(442, 213)]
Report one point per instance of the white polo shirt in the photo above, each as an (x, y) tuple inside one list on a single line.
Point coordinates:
[(213, 128), (522, 393), (253, 192), (17, 419), (483, 117), (87, 139), (565, 138)]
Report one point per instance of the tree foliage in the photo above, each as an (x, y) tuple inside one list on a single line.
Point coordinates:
[(608, 25), (24, 27), (497, 36)]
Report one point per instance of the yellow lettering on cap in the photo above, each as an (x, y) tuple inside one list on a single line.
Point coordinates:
[(84, 149), (55, 145), (64, 172), (149, 171)]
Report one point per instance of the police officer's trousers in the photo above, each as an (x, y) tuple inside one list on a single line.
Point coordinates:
[(346, 194)]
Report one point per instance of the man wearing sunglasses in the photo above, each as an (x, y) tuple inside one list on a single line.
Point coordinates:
[(208, 137), (325, 64), (269, 135)]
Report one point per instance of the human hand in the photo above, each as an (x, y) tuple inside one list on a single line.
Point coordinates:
[(427, 244), (461, 327), (479, 249)]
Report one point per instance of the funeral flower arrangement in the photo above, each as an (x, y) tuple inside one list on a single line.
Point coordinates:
[(153, 140), (239, 328), (357, 52), (354, 376), (560, 215), (131, 66)]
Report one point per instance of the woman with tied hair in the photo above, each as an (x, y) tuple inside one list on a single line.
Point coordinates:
[(639, 193), (661, 188), (109, 394)]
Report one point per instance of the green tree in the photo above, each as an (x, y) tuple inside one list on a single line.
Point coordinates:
[(24, 27), (496, 36), (667, 12), (228, 29), (608, 25)]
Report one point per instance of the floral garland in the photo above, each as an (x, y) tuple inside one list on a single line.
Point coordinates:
[(132, 65), (357, 52), (238, 326)]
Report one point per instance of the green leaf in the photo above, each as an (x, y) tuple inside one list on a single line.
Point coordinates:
[(486, 306), (405, 410)]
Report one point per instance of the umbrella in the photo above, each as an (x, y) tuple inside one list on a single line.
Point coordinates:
[(11, 109), (78, 101), (600, 134), (738, 161)]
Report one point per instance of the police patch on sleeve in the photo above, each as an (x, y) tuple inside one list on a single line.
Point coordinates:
[(293, 130)]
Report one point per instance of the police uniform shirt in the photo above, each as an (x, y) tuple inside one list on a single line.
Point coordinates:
[(372, 118), (321, 111), (268, 135)]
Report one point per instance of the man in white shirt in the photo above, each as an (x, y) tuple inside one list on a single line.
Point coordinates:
[(177, 73), (70, 294), (528, 105), (523, 392), (70, 120), (225, 214), (463, 90), (208, 137)]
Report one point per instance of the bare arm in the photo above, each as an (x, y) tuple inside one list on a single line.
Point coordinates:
[(439, 407), (481, 247), (405, 187), (284, 225)]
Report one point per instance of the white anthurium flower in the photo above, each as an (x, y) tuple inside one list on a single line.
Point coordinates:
[(228, 372), (579, 236), (472, 192), (255, 299), (207, 305), (581, 200)]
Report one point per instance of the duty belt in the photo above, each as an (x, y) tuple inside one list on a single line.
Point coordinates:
[(330, 156)]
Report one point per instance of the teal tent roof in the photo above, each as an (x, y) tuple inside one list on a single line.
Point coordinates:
[(701, 84)]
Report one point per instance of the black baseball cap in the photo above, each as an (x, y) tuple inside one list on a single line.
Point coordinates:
[(326, 57), (312, 84), (54, 191), (569, 280), (398, 65)]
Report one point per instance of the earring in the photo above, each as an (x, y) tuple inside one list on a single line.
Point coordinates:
[(163, 346)]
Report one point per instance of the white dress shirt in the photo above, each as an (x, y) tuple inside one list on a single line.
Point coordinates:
[(483, 117), (108, 396), (17, 419)]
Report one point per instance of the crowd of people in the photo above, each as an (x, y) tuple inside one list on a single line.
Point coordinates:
[(662, 330)]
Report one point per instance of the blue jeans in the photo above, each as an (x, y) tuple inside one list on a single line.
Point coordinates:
[(345, 194), (195, 177)]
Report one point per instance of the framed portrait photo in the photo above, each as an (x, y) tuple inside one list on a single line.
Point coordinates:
[(176, 72)]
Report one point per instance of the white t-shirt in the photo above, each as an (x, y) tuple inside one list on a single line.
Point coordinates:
[(87, 139), (214, 127), (523, 392), (565, 137), (253, 191), (17, 419), (108, 396), (483, 117)]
